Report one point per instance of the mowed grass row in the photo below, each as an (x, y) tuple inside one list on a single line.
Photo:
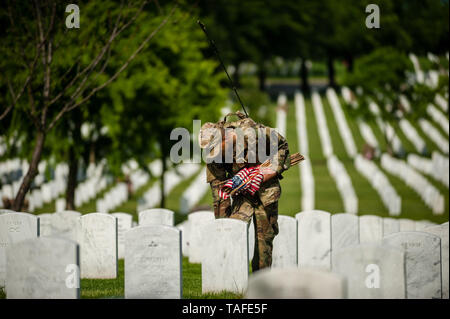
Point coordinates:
[(327, 197), (291, 193)]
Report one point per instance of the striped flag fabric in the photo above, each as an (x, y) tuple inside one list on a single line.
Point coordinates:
[(250, 177)]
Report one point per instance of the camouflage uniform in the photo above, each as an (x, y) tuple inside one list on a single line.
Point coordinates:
[(263, 207)]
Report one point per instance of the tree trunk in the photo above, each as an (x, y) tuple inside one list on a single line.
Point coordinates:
[(262, 75), (331, 71), (304, 77), (32, 172), (72, 179)]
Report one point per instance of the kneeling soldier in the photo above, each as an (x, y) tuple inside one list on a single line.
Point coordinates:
[(251, 182)]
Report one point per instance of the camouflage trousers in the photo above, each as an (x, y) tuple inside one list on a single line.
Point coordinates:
[(266, 227)]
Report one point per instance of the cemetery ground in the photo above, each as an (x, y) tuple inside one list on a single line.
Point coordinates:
[(326, 193)]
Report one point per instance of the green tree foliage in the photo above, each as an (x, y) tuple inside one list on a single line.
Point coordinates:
[(168, 86), (48, 71)]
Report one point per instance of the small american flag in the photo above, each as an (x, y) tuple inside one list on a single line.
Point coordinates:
[(250, 178)]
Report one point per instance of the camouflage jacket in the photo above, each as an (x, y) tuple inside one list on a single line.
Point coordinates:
[(269, 191)]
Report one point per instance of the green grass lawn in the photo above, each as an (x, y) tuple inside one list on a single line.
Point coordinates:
[(114, 288)]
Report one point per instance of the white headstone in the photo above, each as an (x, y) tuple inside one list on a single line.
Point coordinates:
[(407, 224), (158, 216), (423, 224), (45, 224), (423, 262), (344, 230), (60, 204), (372, 271), (15, 227), (294, 283), (370, 229), (5, 211), (285, 243), (390, 226), (225, 262), (153, 262), (251, 239), (442, 232), (64, 224), (124, 223), (314, 239), (196, 222), (184, 227), (43, 268), (98, 245)]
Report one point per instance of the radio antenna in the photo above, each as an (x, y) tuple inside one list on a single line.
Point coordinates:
[(233, 87)]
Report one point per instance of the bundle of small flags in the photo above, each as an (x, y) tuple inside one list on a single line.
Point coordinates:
[(250, 179), (247, 179)]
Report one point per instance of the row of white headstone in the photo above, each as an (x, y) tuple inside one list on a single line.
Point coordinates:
[(33, 266), (114, 197), (438, 117), (412, 135), (306, 174), (434, 135), (427, 192), (344, 184), (92, 242), (315, 239), (322, 127), (194, 192), (344, 129), (13, 164), (312, 239), (389, 196), (441, 102), (138, 177), (335, 167), (45, 192), (152, 197), (386, 129), (427, 128), (436, 167), (429, 77), (95, 183), (368, 135), (281, 114), (431, 196), (365, 130)]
